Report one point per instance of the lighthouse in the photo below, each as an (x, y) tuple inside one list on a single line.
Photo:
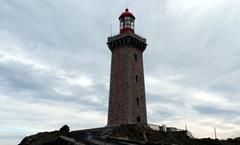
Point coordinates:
[(127, 102)]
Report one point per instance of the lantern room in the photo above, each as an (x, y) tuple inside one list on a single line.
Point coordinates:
[(126, 22)]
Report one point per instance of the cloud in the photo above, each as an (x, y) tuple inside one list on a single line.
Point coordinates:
[(55, 64), (215, 111)]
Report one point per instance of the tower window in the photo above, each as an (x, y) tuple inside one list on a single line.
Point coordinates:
[(128, 22), (121, 25), (137, 101), (138, 119), (136, 78), (135, 57)]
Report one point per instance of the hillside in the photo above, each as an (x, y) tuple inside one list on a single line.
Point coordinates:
[(120, 135)]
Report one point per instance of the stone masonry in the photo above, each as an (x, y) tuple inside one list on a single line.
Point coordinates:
[(127, 104)]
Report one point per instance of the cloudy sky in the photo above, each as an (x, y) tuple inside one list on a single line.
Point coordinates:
[(55, 64)]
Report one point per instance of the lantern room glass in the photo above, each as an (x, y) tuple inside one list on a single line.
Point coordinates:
[(127, 22)]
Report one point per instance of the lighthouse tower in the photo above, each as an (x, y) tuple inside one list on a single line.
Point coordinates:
[(127, 103)]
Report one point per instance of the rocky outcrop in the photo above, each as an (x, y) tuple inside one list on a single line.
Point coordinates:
[(120, 135), (65, 128), (49, 138)]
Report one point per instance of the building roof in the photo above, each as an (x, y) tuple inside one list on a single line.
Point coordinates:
[(126, 13)]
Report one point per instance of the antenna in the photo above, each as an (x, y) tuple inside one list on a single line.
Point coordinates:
[(111, 29), (111, 15), (215, 133)]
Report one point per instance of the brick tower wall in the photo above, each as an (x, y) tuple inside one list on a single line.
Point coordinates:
[(127, 104)]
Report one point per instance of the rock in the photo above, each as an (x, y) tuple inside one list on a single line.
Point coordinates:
[(63, 140), (50, 138), (120, 135), (65, 128)]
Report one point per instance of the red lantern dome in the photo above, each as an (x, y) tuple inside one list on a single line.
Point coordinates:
[(126, 22)]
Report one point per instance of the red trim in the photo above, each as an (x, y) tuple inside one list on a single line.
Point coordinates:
[(126, 13), (126, 30)]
